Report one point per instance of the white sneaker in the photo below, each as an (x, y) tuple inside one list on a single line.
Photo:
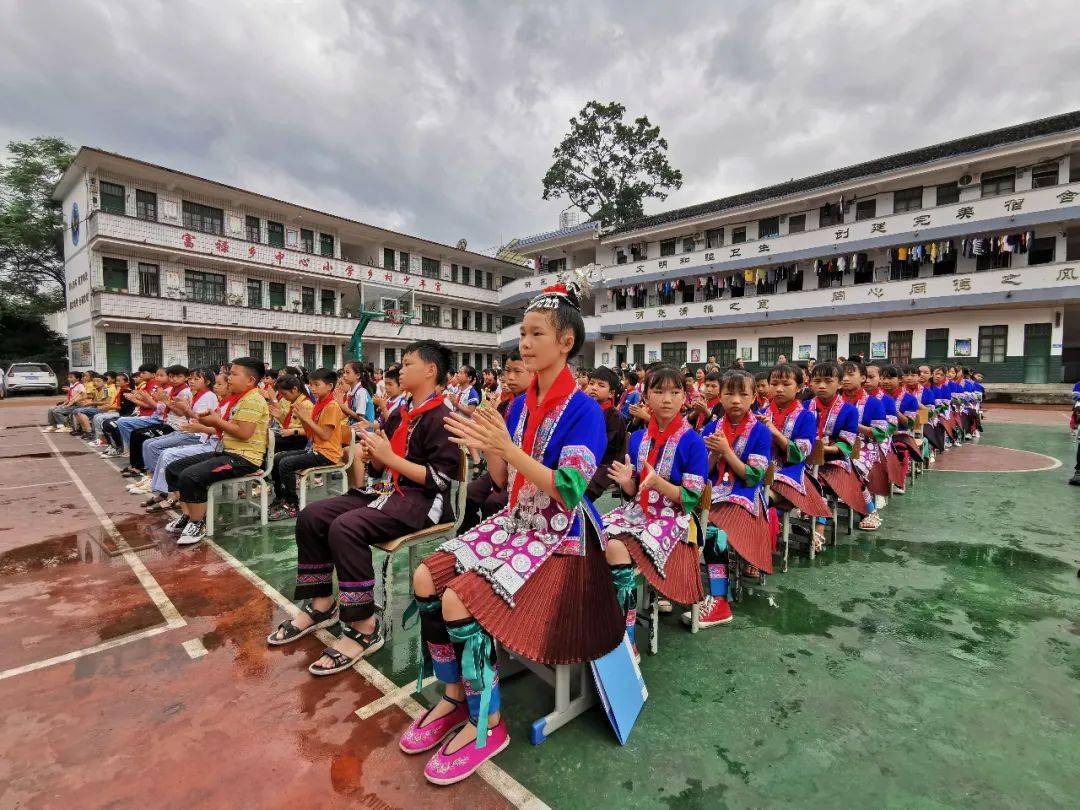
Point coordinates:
[(48, 429), (663, 606), (192, 534), (870, 523), (177, 525), (880, 501), (63, 429)]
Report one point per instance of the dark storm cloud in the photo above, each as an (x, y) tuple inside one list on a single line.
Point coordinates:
[(440, 118)]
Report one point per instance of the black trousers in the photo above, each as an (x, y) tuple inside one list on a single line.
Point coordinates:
[(112, 434), (482, 501), (283, 443), (139, 437), (192, 476), (287, 465), (337, 534)]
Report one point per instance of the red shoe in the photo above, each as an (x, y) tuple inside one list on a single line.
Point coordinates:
[(714, 610)]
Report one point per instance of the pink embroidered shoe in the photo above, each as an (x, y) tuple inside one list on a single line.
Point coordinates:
[(446, 769), (422, 735)]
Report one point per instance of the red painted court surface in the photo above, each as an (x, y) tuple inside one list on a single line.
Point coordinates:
[(124, 675)]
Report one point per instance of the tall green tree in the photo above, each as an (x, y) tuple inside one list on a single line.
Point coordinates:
[(607, 167), (31, 222)]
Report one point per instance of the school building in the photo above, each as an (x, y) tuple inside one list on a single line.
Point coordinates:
[(968, 250), (166, 267)]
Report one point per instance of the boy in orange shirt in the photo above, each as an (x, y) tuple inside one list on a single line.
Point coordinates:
[(323, 426)]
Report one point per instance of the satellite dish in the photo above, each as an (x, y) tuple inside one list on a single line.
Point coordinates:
[(462, 244)]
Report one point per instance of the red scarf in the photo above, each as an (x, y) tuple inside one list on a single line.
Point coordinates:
[(562, 389), (702, 417), (320, 406), (199, 396), (174, 392), (779, 418), (399, 441), (148, 388), (657, 439), (823, 410), (733, 433), (229, 402), (607, 405)]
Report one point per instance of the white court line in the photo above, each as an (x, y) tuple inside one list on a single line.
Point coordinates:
[(195, 648), (1053, 466), (392, 698), (511, 790), (72, 656), (24, 486)]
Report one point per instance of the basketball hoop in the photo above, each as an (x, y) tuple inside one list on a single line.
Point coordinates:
[(393, 316)]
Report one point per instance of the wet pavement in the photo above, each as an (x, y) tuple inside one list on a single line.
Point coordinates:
[(936, 663)]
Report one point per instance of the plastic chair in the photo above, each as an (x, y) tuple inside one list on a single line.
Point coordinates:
[(217, 489), (328, 470)]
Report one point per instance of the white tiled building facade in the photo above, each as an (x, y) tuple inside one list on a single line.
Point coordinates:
[(166, 267), (823, 267)]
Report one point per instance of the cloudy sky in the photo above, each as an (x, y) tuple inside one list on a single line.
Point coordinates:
[(439, 117)]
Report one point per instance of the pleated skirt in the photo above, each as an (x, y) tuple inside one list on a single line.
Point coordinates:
[(747, 533), (681, 581)]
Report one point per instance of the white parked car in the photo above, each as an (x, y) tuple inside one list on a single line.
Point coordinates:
[(30, 377)]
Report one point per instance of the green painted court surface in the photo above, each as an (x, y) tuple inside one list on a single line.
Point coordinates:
[(934, 664)]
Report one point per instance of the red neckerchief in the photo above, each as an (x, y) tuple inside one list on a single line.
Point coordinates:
[(118, 396), (761, 402), (711, 403), (879, 393), (320, 406), (174, 392), (199, 396), (857, 400), (824, 409), (562, 389), (779, 418), (288, 416), (148, 388), (399, 441), (733, 433), (607, 405), (658, 438), (230, 403)]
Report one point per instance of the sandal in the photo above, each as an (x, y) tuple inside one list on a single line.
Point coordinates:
[(368, 644), (290, 632), (163, 504)]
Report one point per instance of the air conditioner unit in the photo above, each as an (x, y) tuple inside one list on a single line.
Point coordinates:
[(965, 180)]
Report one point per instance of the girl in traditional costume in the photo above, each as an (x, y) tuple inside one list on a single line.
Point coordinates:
[(886, 470), (533, 576), (837, 429), (872, 429), (904, 444)]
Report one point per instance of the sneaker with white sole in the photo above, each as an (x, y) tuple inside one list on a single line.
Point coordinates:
[(714, 610), (192, 533), (870, 523), (48, 429), (63, 429), (177, 525)]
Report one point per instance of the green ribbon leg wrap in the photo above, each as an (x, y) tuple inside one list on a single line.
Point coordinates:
[(477, 670), (424, 668), (716, 539), (625, 581)]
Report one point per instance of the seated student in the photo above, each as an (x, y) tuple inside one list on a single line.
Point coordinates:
[(907, 414), (291, 402), (484, 499), (418, 463), (631, 396), (130, 399), (581, 378), (82, 417), (706, 407), (603, 387), (490, 388), (178, 390), (266, 384), (837, 430), (663, 475), (198, 396), (93, 395), (923, 387), (740, 448), (873, 429), (393, 397), (942, 407), (467, 397), (110, 412), (150, 410), (56, 418), (886, 470), (358, 406), (202, 439), (243, 446), (322, 423), (761, 393), (794, 432)]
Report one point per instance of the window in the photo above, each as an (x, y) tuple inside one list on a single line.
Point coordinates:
[(403, 261), (326, 244), (207, 352), (770, 226), (206, 287), (508, 321), (149, 280), (900, 347), (796, 223), (254, 293), (151, 349), (328, 302), (859, 344), (277, 293), (937, 345), (307, 300), (948, 193), (994, 261), (1045, 174), (1001, 181), (453, 272), (479, 321), (464, 274), (491, 281), (117, 350), (830, 214), (770, 348), (307, 240), (251, 226), (1041, 250), (329, 356), (722, 350), (203, 218), (992, 340), (490, 322), (389, 359), (430, 315), (688, 244), (639, 354), (667, 247), (388, 258), (114, 274), (464, 319), (146, 205), (909, 199), (738, 235), (255, 349), (429, 267), (275, 234), (278, 352), (865, 209), (310, 355), (673, 354), (714, 238), (826, 347), (505, 280), (453, 317), (112, 198)]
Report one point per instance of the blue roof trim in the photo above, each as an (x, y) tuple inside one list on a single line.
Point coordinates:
[(581, 227)]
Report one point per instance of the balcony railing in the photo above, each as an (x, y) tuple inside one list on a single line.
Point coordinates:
[(520, 290), (508, 336), (231, 249)]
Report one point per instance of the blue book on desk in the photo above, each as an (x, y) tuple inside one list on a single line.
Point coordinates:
[(621, 688)]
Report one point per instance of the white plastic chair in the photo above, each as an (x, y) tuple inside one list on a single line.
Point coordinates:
[(217, 490), (328, 470)]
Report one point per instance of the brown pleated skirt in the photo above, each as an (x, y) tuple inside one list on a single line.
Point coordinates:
[(747, 534), (682, 580), (565, 614), (949, 424), (910, 442), (878, 480), (812, 504), (845, 485), (894, 468)]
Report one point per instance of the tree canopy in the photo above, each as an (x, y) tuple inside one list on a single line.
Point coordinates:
[(607, 168)]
